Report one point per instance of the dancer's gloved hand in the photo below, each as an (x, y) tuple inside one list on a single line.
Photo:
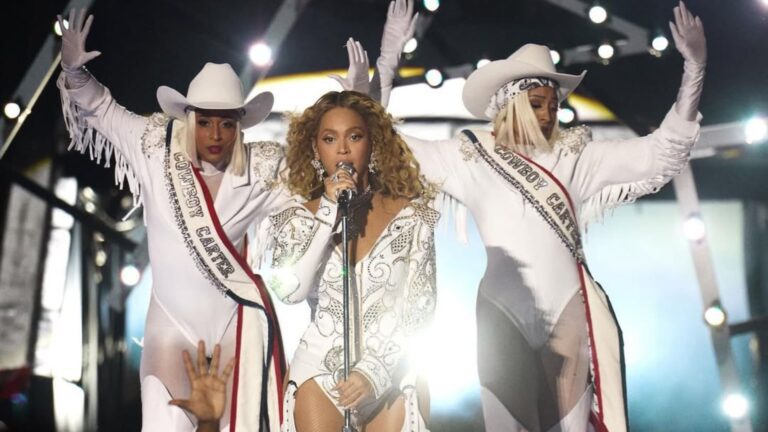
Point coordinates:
[(209, 388), (688, 34), (354, 391), (73, 54), (357, 74), (398, 29)]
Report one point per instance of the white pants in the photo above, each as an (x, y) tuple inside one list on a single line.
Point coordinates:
[(162, 373)]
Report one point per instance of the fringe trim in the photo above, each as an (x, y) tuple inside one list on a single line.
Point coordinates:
[(451, 210), (672, 158), (85, 138)]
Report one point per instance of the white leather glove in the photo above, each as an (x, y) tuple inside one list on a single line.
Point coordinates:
[(398, 29), (73, 54), (357, 74), (688, 34)]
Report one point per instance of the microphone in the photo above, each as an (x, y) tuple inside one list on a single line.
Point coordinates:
[(346, 195)]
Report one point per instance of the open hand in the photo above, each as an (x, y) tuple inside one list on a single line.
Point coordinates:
[(73, 54), (357, 74), (398, 29), (688, 33), (209, 388)]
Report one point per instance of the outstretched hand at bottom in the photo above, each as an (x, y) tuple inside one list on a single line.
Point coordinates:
[(209, 388)]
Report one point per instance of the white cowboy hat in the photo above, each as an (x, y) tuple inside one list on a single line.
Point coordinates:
[(216, 87), (529, 61)]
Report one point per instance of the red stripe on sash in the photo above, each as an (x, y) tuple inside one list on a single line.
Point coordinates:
[(236, 375), (277, 344), (598, 389), (583, 289), (597, 423)]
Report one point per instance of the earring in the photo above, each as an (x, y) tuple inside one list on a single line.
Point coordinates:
[(372, 164), (319, 168)]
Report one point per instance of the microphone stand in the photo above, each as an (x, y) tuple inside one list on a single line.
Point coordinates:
[(343, 202)]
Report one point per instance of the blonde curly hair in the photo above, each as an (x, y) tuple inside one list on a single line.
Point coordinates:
[(397, 171)]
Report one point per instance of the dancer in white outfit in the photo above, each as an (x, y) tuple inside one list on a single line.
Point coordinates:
[(549, 348), (392, 267), (200, 187)]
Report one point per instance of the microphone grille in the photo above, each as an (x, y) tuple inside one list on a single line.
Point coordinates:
[(346, 166)]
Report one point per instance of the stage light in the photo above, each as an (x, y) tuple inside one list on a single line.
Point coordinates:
[(566, 115), (555, 56), (660, 43), (100, 258), (434, 78), (715, 315), (482, 62), (57, 27), (12, 110), (260, 54), (89, 193), (431, 5), (597, 14), (605, 51), (755, 130), (130, 275), (694, 228), (410, 46), (735, 405)]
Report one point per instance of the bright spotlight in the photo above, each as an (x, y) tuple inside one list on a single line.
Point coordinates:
[(130, 275), (57, 27), (660, 43), (566, 115), (12, 110), (755, 130), (735, 405), (715, 315), (260, 54), (694, 228), (555, 56), (434, 78), (410, 46), (605, 51), (598, 14), (482, 62), (431, 5)]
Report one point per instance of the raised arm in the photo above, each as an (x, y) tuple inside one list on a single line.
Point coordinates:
[(446, 163), (611, 172), (89, 107), (398, 29)]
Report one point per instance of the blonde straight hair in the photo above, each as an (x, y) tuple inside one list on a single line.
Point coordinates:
[(516, 127), (237, 162)]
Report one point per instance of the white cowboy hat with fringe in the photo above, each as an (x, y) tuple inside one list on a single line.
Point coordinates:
[(529, 61), (216, 87)]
